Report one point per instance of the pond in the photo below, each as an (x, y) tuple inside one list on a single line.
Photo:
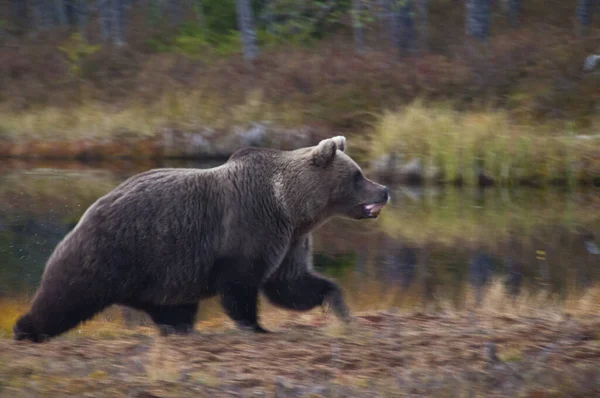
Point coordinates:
[(432, 246)]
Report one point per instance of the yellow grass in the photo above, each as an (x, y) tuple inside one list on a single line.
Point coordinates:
[(371, 297), (190, 111), (456, 142)]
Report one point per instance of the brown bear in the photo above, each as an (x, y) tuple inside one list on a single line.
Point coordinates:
[(167, 238)]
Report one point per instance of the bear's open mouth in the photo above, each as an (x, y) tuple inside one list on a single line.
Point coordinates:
[(372, 210)]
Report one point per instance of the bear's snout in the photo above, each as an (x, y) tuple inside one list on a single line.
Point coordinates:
[(379, 196), (386, 194)]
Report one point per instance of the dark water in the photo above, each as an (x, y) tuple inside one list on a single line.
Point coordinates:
[(429, 244)]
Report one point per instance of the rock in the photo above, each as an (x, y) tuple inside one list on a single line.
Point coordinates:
[(387, 166), (415, 194), (590, 63), (177, 143), (412, 172), (434, 174), (390, 168), (253, 136), (484, 179), (292, 138)]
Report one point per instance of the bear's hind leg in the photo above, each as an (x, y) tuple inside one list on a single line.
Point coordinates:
[(241, 302), (172, 319), (55, 312), (306, 292)]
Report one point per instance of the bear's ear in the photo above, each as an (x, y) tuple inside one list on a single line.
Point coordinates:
[(340, 142), (324, 153)]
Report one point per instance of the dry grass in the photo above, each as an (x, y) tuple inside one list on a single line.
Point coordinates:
[(542, 345), (457, 143), (382, 355), (370, 296), (184, 110), (10, 311)]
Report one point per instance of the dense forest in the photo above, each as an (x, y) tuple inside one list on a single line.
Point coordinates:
[(336, 59), (407, 20)]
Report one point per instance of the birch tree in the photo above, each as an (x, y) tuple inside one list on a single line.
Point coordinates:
[(359, 40), (246, 26), (406, 23), (478, 19), (584, 14), (514, 9), (422, 11), (112, 21)]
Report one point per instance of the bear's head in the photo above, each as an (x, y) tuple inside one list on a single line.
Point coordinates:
[(341, 184)]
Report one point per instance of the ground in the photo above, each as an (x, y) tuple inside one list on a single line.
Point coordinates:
[(382, 354)]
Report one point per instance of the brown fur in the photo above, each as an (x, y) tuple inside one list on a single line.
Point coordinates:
[(165, 239)]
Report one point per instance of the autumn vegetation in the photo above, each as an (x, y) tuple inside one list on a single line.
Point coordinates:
[(501, 87)]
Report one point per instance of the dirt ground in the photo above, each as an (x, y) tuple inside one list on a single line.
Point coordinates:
[(381, 354)]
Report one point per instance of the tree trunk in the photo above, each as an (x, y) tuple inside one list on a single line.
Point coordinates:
[(423, 22), (59, 12), (19, 14), (104, 8), (514, 9), (112, 21), (177, 11), (406, 23), (584, 15), (82, 11), (359, 41), (199, 9), (118, 22), (401, 15), (42, 20), (71, 12), (392, 9), (384, 19), (268, 16), (76, 12), (478, 19), (246, 27)]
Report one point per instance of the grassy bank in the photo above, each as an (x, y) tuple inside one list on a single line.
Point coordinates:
[(453, 147), (534, 346), (191, 111), (457, 147)]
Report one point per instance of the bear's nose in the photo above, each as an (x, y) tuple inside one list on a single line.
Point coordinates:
[(386, 193)]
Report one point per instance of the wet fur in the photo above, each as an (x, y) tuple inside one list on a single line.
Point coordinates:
[(165, 239)]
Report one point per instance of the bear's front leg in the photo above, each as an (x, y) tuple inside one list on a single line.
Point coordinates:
[(171, 319), (306, 291), (240, 301)]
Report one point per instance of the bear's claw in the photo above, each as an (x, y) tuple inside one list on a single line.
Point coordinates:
[(336, 302)]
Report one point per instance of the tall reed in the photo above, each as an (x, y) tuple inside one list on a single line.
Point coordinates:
[(464, 145)]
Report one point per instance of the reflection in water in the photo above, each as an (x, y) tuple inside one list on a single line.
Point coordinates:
[(398, 263), (431, 243), (514, 276), (480, 270)]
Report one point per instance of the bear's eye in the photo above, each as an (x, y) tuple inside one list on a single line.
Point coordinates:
[(357, 176)]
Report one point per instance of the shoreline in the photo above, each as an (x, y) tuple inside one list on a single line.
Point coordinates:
[(200, 147)]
